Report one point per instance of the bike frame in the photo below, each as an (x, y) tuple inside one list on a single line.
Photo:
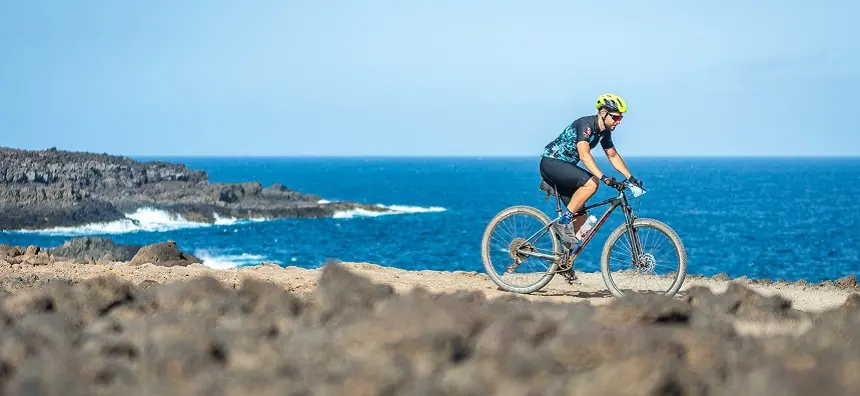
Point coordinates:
[(614, 203)]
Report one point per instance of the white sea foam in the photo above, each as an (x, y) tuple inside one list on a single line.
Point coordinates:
[(216, 260), (392, 209), (141, 220), (155, 220), (224, 220)]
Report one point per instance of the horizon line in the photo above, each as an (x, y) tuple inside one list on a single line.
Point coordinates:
[(407, 156), (472, 156)]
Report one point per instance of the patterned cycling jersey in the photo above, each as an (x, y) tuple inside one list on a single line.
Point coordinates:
[(584, 129)]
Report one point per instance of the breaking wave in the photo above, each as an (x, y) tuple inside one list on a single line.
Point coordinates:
[(156, 220), (141, 220), (393, 209), (217, 260)]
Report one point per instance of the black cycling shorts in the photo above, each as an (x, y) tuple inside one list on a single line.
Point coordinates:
[(564, 176)]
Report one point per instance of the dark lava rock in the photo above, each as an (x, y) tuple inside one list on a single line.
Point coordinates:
[(51, 188), (10, 251), (738, 301), (847, 282), (648, 308), (147, 284), (721, 277), (164, 254), (18, 212), (95, 248), (341, 295), (352, 336)]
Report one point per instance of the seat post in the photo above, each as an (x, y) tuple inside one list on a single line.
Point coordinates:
[(558, 203), (551, 190)]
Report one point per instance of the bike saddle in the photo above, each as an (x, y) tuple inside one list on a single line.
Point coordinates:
[(544, 186)]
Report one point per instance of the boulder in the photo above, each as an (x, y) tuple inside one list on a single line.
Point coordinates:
[(165, 254)]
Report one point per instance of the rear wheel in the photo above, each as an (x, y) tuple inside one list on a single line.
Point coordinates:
[(632, 260), (508, 248)]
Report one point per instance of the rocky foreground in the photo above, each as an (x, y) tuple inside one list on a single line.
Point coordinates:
[(53, 188), (76, 328)]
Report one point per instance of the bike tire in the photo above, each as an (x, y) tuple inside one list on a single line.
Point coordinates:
[(485, 249), (659, 226)]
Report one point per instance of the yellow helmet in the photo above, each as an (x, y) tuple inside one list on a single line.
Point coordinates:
[(612, 102)]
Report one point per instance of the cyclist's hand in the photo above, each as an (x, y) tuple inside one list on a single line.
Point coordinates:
[(609, 181), (636, 182)]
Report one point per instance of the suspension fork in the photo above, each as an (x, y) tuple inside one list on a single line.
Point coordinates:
[(632, 233)]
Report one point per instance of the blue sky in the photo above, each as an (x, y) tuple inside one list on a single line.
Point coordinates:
[(434, 77)]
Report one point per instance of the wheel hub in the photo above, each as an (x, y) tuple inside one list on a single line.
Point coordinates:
[(646, 263), (517, 246), (515, 249)]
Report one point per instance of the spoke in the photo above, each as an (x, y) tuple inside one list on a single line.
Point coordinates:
[(663, 265), (504, 243), (530, 269), (625, 254), (625, 263), (507, 229), (627, 247), (628, 272), (501, 248)]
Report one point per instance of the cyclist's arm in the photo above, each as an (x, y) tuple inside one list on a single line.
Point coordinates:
[(614, 158), (584, 149), (587, 159), (617, 161)]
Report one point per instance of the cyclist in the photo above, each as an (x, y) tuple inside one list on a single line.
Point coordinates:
[(575, 185)]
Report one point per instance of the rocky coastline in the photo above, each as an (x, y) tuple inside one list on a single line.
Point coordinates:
[(102, 250), (360, 329), (42, 189)]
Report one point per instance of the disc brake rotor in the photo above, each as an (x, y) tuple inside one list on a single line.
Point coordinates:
[(646, 263)]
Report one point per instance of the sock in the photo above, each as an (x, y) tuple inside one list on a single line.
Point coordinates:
[(566, 217)]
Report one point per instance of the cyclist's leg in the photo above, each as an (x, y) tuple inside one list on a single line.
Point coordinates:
[(556, 173), (574, 184), (582, 195)]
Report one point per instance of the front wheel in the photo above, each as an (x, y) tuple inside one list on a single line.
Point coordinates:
[(519, 250), (635, 256)]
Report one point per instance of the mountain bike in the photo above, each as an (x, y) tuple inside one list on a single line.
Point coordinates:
[(640, 263)]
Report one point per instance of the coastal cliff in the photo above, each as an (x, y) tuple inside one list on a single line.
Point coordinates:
[(51, 188)]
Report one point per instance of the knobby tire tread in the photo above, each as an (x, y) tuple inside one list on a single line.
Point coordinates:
[(659, 226), (485, 249)]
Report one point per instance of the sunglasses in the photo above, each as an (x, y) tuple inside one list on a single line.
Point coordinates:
[(616, 117)]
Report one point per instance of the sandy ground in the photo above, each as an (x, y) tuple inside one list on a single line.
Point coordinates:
[(588, 288)]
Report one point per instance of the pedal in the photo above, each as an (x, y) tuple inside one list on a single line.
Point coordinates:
[(570, 277)]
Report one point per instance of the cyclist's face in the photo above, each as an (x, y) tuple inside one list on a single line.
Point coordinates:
[(613, 119)]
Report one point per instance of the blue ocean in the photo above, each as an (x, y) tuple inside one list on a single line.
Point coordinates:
[(778, 218)]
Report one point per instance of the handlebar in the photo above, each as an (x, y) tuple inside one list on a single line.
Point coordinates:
[(637, 191)]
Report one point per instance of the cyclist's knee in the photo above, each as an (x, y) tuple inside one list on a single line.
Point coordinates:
[(592, 183)]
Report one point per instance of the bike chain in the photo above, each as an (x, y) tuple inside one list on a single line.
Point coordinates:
[(567, 263), (567, 270)]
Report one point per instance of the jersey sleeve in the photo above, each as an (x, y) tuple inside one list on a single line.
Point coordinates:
[(606, 142), (583, 132)]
